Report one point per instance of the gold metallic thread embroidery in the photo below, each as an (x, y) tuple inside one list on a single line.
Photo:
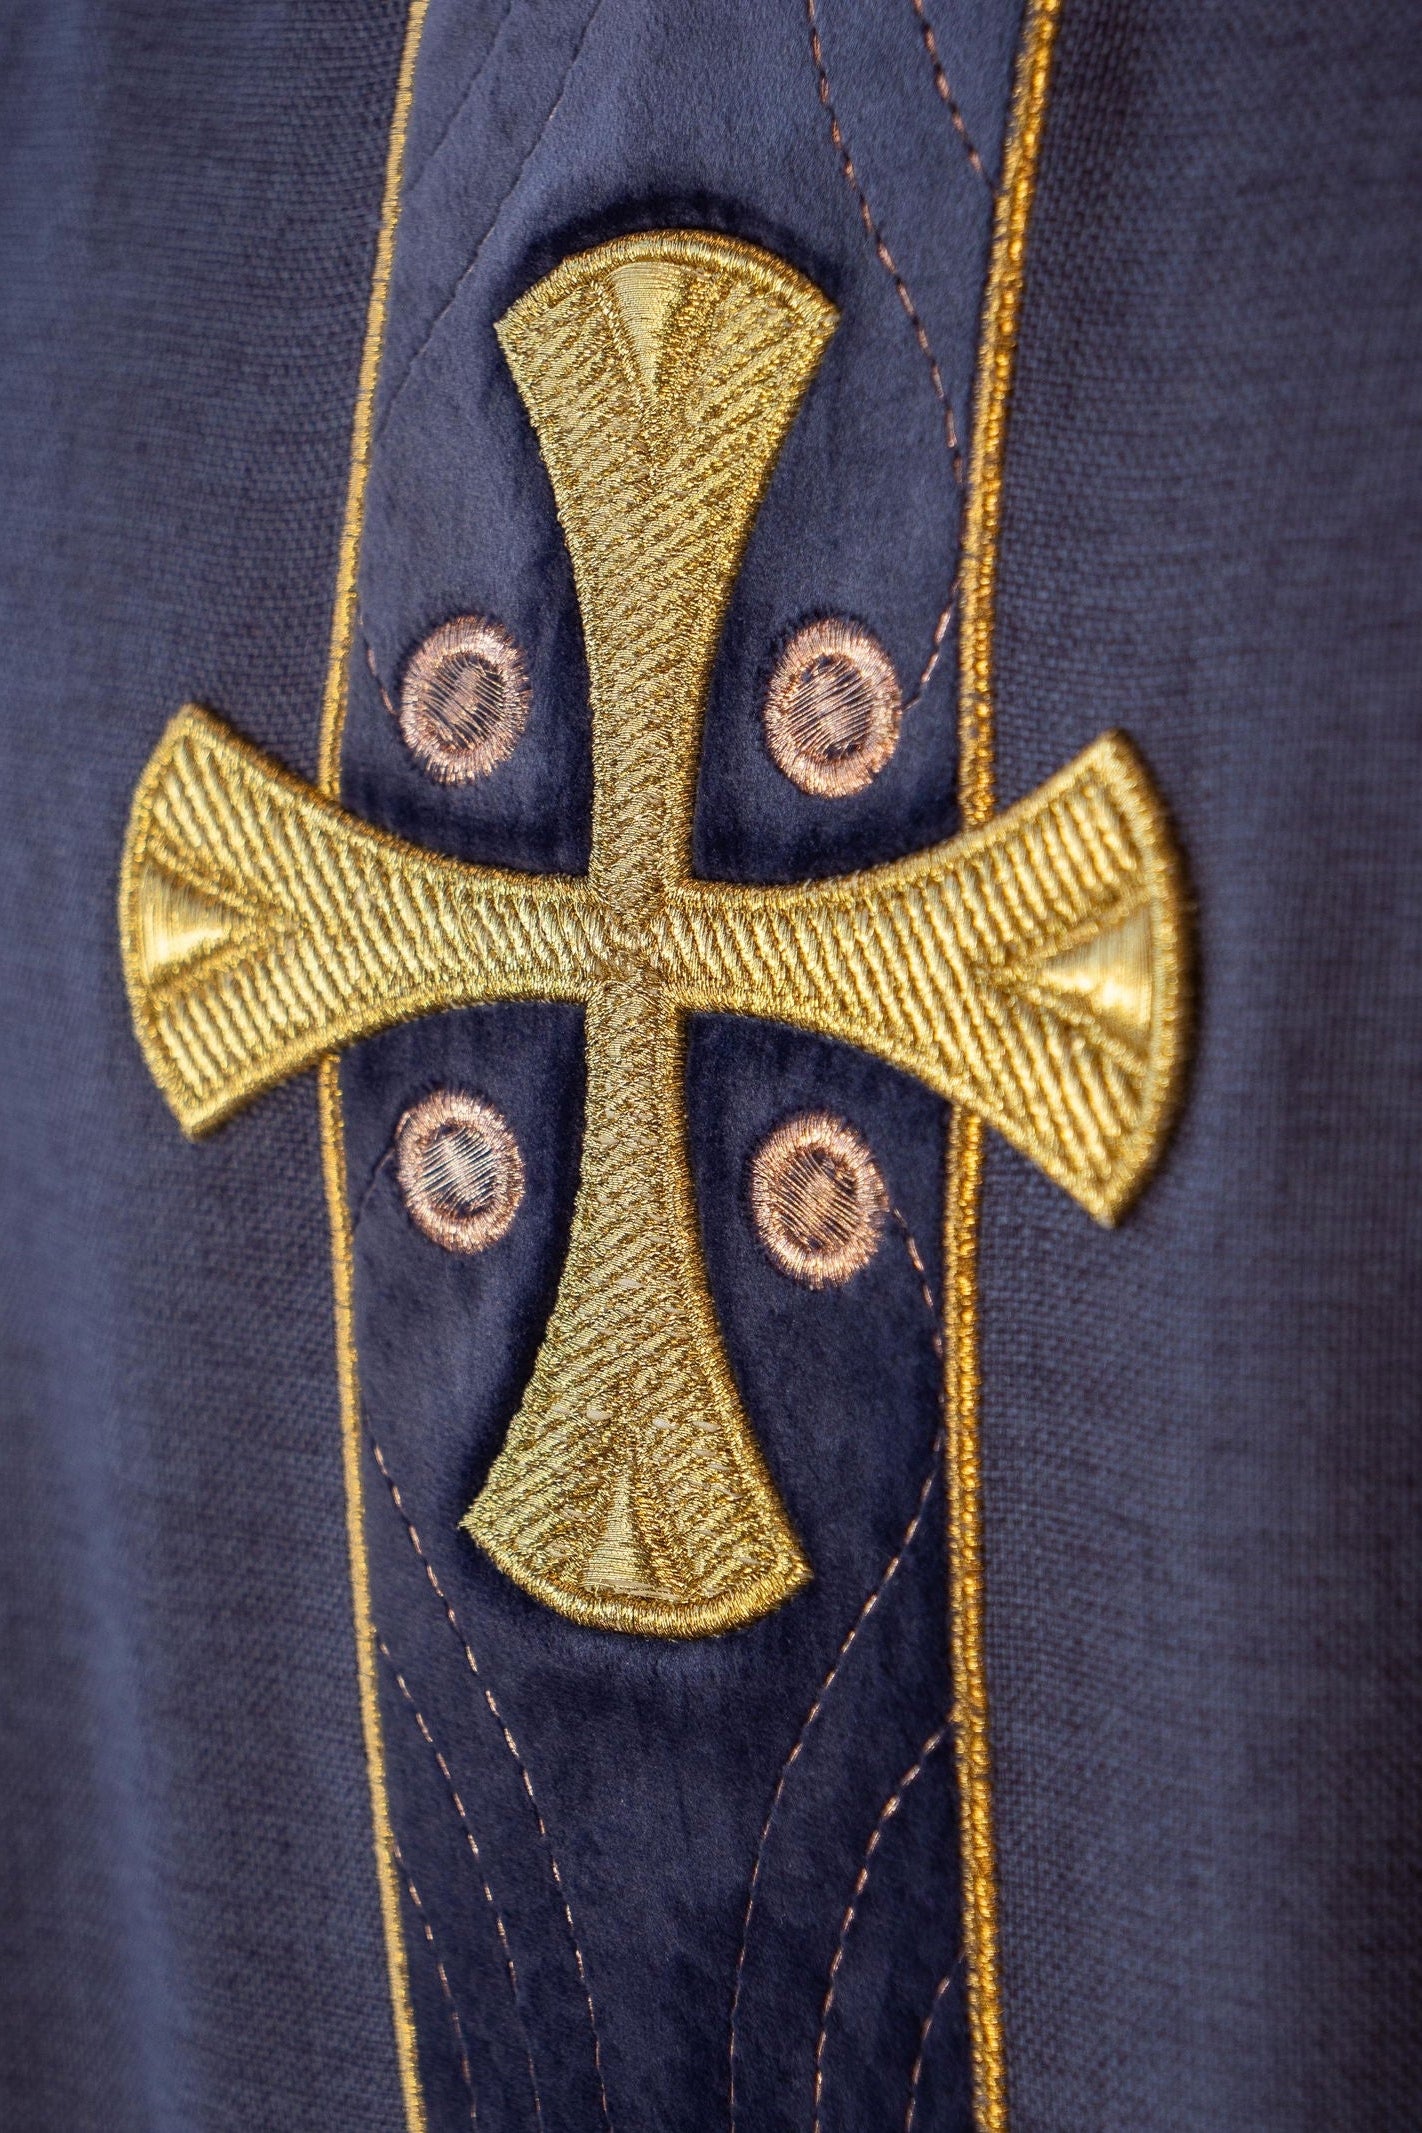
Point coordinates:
[(661, 374), (630, 1492)]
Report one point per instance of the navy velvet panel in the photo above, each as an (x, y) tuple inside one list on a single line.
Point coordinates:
[(652, 1765), (706, 1851), (629, 116), (1202, 1432), (189, 1931)]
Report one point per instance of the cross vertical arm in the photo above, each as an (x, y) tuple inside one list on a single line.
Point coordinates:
[(630, 1492), (661, 374)]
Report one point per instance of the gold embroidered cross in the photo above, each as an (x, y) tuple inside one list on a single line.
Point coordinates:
[(1031, 970)]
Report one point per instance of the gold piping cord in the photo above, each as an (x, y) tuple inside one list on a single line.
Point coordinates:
[(962, 1392), (333, 708), (333, 1164), (328, 1084)]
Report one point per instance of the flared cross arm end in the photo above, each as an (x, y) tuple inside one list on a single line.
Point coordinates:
[(262, 926), (1035, 970), (1077, 966)]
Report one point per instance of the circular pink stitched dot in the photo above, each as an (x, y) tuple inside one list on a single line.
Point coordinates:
[(818, 1199), (459, 1169), (833, 709), (464, 700)]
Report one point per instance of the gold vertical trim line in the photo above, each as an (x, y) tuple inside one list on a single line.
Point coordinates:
[(333, 1163), (976, 784), (328, 1084), (333, 707), (965, 1554), (997, 359)]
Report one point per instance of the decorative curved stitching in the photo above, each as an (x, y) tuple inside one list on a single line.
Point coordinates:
[(928, 2021), (940, 83), (925, 1286), (513, 1748), (460, 2044), (417, 177), (935, 649), (886, 1814), (375, 671), (473, 1843), (887, 261), (372, 1182), (881, 249), (890, 1572), (478, 251)]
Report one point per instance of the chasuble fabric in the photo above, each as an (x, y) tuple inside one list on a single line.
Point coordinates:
[(712, 1224)]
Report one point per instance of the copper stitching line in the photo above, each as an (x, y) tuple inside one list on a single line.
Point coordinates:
[(925, 1286), (940, 1993), (996, 358), (940, 83), (935, 649), (886, 260), (461, 2045), (513, 1748), (886, 1814), (881, 249), (375, 672), (473, 1843), (333, 1155), (417, 176), (890, 1572), (375, 1176)]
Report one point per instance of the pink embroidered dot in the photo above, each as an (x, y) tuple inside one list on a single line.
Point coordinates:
[(818, 1199), (459, 1169), (464, 700), (833, 709)]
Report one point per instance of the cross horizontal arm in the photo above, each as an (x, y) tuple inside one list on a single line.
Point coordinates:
[(1032, 970), (263, 926)]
